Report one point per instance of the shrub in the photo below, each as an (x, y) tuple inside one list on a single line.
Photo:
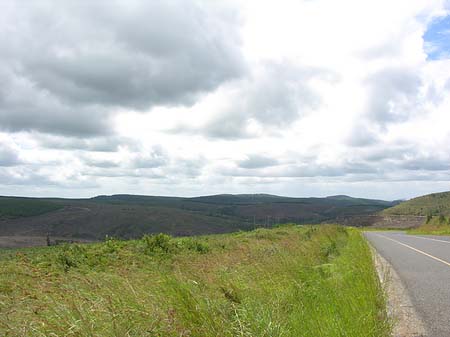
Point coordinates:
[(111, 245), (158, 243), (70, 256), (195, 245), (65, 261)]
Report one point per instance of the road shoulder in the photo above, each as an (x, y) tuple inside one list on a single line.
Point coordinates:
[(406, 322)]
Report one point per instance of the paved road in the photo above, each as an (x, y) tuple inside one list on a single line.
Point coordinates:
[(423, 264)]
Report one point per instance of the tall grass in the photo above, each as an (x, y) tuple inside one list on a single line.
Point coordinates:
[(288, 281)]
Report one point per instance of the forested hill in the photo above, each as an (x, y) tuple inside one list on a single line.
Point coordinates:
[(131, 216), (431, 204)]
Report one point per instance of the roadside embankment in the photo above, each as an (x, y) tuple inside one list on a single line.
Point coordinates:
[(289, 281)]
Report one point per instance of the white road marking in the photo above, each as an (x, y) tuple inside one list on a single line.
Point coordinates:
[(415, 249), (421, 237)]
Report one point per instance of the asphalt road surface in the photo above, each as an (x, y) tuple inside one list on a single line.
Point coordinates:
[(423, 264)]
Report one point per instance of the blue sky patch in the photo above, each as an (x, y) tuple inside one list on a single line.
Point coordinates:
[(437, 39)]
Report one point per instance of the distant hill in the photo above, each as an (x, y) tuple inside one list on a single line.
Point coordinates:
[(14, 207), (431, 204), (362, 201), (129, 216)]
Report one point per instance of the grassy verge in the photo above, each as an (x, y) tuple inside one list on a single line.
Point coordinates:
[(288, 281), (435, 225)]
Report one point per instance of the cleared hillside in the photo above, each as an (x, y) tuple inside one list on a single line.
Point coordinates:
[(431, 204), (131, 216)]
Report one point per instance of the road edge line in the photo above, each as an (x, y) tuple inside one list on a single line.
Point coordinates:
[(415, 236), (406, 321), (416, 250)]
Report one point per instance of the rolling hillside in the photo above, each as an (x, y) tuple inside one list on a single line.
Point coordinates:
[(131, 216), (431, 204), (12, 207)]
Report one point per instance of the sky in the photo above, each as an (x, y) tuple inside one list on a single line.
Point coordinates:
[(188, 98)]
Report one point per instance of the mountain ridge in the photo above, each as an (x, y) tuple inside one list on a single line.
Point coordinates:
[(131, 216)]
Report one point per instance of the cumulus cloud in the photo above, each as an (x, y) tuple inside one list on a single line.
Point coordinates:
[(394, 94), (407, 157), (25, 178), (362, 135), (70, 66), (91, 144), (303, 170), (152, 158), (426, 163), (257, 161), (101, 163), (39, 177), (186, 167), (293, 97), (8, 156), (275, 95), (153, 162), (24, 106)]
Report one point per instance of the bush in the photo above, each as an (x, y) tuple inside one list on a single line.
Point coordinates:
[(111, 245), (195, 245), (165, 244), (71, 256), (158, 243)]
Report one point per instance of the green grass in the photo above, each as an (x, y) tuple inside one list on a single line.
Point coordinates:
[(431, 204), (435, 225), (288, 281)]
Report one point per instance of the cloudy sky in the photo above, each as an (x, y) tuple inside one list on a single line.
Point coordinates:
[(186, 97)]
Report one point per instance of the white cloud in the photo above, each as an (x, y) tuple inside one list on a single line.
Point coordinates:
[(290, 97)]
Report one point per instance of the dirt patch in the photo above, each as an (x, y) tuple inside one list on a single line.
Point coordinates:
[(383, 221), (21, 241)]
